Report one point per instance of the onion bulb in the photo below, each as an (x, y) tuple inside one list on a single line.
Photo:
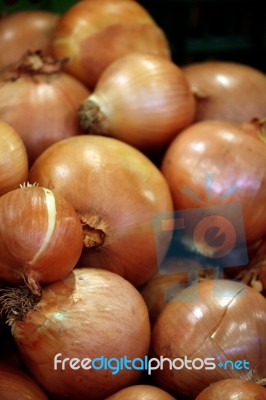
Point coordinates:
[(40, 236), (213, 330), (117, 191), (89, 314), (141, 99), (141, 392), (13, 159), (40, 102), (227, 90), (23, 31), (93, 34), (218, 163), (233, 389), (15, 384)]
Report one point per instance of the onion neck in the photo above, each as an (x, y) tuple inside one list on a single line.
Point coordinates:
[(260, 124), (94, 231), (91, 118)]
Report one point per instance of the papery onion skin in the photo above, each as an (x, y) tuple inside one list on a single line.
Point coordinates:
[(116, 190), (141, 99), (141, 392), (233, 389), (93, 34), (91, 313), (227, 90), (41, 106), (40, 236), (15, 384), (220, 319), (220, 150), (23, 31), (13, 159)]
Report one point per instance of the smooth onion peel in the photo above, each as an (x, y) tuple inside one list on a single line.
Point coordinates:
[(76, 318), (93, 34), (40, 236), (142, 99), (116, 190), (141, 392), (13, 159), (219, 319), (233, 389)]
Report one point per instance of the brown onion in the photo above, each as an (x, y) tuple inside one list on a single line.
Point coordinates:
[(15, 384), (23, 31), (13, 159), (40, 236), (93, 34), (117, 191), (40, 102), (215, 321), (141, 392), (142, 99), (233, 389), (233, 160), (227, 90), (89, 314)]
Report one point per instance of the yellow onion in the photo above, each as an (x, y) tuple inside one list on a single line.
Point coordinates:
[(141, 392), (93, 34), (233, 389), (141, 99), (89, 314), (40, 236), (13, 159), (218, 322)]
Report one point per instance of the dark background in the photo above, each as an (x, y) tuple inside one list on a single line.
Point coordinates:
[(198, 30)]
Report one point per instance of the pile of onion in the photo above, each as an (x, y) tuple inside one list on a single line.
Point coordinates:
[(13, 159), (227, 90), (233, 389), (23, 31), (40, 236), (142, 99), (40, 101), (117, 191), (89, 314), (93, 34), (218, 319)]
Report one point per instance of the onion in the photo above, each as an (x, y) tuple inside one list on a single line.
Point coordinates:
[(227, 90), (40, 102), (13, 159), (233, 389), (26, 30), (215, 321), (158, 290), (93, 34), (15, 384), (141, 392), (142, 99), (117, 191), (206, 165), (40, 236), (89, 314)]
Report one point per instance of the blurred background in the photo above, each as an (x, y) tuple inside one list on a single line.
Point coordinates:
[(198, 30)]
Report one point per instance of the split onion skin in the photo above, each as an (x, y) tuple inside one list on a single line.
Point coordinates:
[(13, 159), (141, 99), (15, 384), (23, 31), (233, 389), (91, 313), (203, 321), (93, 34), (141, 392), (117, 191), (227, 90), (41, 106), (40, 236), (220, 149)]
